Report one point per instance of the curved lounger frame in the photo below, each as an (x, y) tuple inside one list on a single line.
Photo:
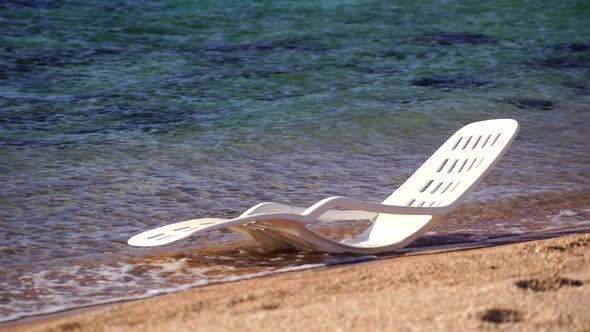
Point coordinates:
[(436, 188)]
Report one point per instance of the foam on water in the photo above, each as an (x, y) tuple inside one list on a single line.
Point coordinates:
[(75, 286)]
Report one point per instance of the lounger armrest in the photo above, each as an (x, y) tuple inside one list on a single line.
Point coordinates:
[(270, 207), (334, 202)]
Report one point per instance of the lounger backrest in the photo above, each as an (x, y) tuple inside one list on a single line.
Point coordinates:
[(457, 166)]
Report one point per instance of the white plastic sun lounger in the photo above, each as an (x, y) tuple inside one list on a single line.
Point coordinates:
[(435, 189)]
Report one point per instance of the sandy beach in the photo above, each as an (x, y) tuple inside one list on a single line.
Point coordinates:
[(533, 285)]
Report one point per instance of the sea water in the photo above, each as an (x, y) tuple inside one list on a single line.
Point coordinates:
[(120, 116)]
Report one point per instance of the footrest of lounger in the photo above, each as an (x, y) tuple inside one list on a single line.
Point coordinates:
[(174, 232)]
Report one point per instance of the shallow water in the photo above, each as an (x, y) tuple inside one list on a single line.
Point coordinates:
[(120, 116)]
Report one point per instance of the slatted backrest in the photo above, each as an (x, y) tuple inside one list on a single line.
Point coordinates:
[(458, 165)]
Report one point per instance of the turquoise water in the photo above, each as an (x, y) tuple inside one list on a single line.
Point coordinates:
[(118, 116)]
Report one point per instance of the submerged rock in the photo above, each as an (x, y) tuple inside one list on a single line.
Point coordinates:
[(29, 59), (567, 55), (581, 88), (451, 38), (377, 69), (395, 54), (565, 62), (32, 3), (267, 44), (390, 53), (447, 82), (531, 103), (35, 143), (574, 47)]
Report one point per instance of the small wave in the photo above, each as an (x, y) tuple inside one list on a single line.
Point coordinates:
[(76, 286)]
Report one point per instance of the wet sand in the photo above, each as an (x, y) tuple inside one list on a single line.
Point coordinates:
[(543, 284)]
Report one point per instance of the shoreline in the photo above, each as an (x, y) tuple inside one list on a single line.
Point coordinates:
[(171, 269), (533, 284)]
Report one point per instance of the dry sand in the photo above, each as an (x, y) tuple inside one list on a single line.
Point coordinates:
[(536, 285)]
